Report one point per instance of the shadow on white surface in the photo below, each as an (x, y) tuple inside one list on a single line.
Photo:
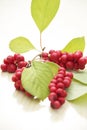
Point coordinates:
[(80, 105)]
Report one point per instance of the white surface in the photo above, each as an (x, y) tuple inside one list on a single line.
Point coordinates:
[(18, 112)]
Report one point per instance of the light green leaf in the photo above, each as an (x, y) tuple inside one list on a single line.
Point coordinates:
[(20, 45), (75, 44), (53, 66), (43, 11), (81, 76), (36, 79), (76, 90)]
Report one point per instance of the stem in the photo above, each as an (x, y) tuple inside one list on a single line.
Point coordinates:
[(38, 55), (41, 41)]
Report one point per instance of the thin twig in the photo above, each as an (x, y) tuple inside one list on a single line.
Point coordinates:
[(41, 41)]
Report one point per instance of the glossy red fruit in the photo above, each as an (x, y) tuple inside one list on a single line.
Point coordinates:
[(52, 96), (11, 68), (55, 105), (4, 67)]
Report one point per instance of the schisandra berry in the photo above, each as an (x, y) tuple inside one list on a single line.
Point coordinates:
[(12, 63), (4, 67), (70, 61), (58, 87)]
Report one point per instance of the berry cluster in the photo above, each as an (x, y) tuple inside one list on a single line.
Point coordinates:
[(58, 87), (70, 61), (16, 78), (12, 63)]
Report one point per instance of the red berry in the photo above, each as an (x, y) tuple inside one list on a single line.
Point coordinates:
[(6, 61), (14, 78), (61, 100), (11, 68), (19, 58), (69, 74), (22, 64), (52, 96), (52, 89), (60, 85), (10, 59), (53, 57), (69, 65), (64, 58), (66, 83), (82, 61), (70, 57), (77, 55), (4, 67), (61, 92), (55, 105), (52, 85), (18, 74), (17, 84)]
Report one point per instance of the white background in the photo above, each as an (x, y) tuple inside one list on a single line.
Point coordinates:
[(18, 112)]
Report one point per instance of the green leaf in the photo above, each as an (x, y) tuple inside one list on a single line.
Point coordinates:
[(76, 90), (36, 79), (81, 76), (20, 45), (43, 11), (75, 44), (53, 66)]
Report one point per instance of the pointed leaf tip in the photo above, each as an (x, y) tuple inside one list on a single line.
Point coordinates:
[(75, 44)]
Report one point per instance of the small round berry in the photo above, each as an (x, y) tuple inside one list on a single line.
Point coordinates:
[(60, 85), (52, 96), (70, 57), (20, 58), (64, 58), (69, 65), (11, 68), (6, 61), (61, 92), (52, 89), (54, 81), (4, 67), (61, 100), (77, 55), (14, 78), (69, 74), (51, 51), (82, 61), (55, 105), (52, 85), (10, 59), (67, 83), (17, 84), (53, 57), (18, 74), (22, 64)]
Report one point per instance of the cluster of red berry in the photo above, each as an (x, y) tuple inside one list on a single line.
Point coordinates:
[(70, 61), (12, 63), (58, 87), (16, 78)]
